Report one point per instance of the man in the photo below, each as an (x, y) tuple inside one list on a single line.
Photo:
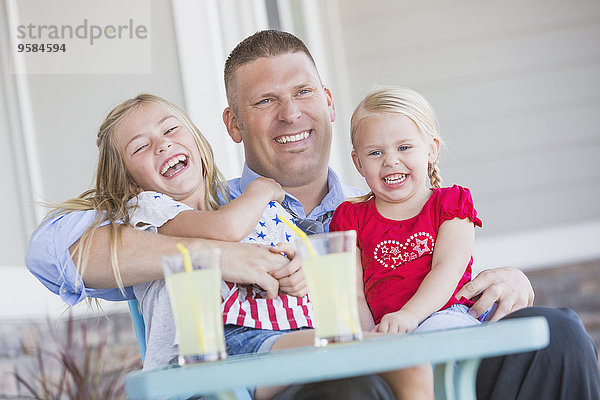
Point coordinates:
[(283, 114)]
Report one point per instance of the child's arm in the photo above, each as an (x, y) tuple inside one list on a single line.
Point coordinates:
[(232, 222), (364, 313), (453, 249)]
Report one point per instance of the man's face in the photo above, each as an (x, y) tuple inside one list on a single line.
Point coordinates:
[(283, 117)]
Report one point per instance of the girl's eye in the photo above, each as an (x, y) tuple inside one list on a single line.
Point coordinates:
[(403, 148), (375, 153), (170, 130), (140, 148)]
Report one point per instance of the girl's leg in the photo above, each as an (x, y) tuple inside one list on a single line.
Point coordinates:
[(417, 382), (370, 387), (293, 339), (411, 383)]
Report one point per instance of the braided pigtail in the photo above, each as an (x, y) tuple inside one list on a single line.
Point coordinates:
[(434, 175)]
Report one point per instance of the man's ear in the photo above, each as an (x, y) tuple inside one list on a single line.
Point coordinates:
[(434, 151), (330, 104), (232, 125), (357, 163)]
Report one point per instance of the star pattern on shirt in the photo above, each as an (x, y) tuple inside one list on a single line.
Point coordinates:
[(270, 228), (421, 247)]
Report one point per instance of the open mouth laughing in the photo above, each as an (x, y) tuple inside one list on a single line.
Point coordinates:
[(173, 165)]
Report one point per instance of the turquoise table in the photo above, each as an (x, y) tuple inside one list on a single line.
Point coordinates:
[(456, 354)]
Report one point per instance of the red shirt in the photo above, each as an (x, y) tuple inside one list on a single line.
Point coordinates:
[(397, 255)]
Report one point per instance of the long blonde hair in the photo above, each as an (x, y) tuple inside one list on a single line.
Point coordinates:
[(398, 100), (114, 186)]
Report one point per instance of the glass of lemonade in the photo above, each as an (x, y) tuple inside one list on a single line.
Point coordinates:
[(329, 265), (195, 298)]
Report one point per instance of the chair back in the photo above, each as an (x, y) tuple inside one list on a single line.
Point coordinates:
[(138, 326)]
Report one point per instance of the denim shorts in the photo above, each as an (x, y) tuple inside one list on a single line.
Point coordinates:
[(455, 316), (243, 340)]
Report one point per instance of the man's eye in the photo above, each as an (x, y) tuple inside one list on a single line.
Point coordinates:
[(263, 101), (304, 91)]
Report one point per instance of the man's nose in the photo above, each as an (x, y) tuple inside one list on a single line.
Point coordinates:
[(289, 111)]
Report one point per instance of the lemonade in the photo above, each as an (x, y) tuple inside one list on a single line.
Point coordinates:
[(196, 302), (332, 289)]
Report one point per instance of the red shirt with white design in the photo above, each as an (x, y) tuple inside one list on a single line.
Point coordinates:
[(397, 255)]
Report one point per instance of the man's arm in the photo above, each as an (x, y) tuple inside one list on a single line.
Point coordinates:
[(49, 259), (507, 286), (139, 259)]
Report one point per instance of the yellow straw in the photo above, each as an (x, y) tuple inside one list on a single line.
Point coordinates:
[(301, 234), (187, 265), (187, 260), (312, 252)]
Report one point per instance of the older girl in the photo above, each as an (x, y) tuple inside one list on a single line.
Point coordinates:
[(156, 172)]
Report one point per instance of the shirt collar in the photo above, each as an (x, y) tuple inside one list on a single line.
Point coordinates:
[(247, 176), (332, 199)]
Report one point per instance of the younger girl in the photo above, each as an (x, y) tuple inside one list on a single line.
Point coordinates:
[(398, 224)]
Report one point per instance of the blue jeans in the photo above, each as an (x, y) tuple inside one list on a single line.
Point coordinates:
[(244, 340)]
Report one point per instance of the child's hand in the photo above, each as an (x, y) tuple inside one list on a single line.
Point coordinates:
[(398, 322), (290, 277), (268, 185)]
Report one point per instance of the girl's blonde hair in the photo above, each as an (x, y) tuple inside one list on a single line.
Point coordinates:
[(398, 100), (114, 186)]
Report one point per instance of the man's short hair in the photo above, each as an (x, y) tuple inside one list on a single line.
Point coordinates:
[(268, 43)]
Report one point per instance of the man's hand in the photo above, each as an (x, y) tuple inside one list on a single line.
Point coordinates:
[(290, 277), (507, 286), (400, 321), (252, 264)]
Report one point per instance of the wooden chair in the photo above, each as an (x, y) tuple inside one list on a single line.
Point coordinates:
[(455, 353)]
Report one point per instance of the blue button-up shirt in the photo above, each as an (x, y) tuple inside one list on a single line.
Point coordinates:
[(337, 193), (48, 257)]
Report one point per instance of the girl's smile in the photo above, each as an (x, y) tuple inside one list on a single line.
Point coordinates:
[(174, 166)]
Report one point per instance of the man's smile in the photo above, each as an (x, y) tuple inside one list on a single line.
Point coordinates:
[(293, 138)]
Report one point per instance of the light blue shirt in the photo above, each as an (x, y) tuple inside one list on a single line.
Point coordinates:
[(48, 257), (338, 192)]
